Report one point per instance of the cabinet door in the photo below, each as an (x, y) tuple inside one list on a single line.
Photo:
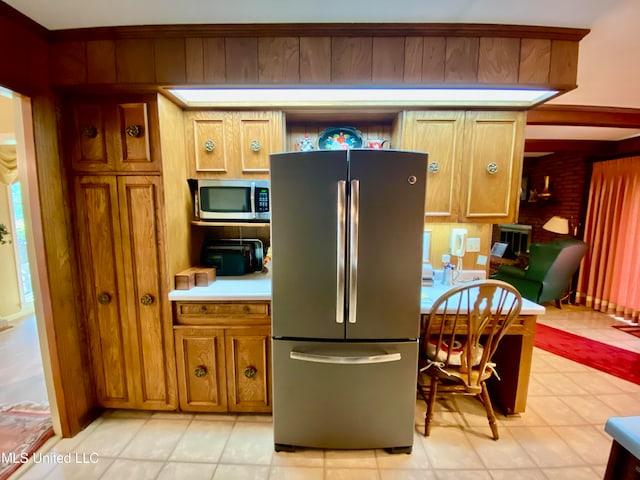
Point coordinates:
[(258, 134), (491, 176), (87, 136), (440, 134), (134, 131), (208, 137), (110, 137), (100, 254), (148, 308), (201, 369), (248, 369)]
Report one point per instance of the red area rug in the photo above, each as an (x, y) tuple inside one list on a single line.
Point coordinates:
[(612, 360), (23, 429)]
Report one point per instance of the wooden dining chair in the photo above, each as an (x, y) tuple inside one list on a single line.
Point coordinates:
[(458, 340)]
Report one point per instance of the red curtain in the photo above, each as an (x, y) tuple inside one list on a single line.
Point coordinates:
[(609, 280)]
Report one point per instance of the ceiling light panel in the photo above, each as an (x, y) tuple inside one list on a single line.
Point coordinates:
[(355, 97)]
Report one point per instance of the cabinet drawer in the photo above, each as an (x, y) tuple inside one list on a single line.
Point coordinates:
[(208, 312)]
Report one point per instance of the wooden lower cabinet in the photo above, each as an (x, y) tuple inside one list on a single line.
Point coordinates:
[(200, 360), (122, 261), (224, 369)]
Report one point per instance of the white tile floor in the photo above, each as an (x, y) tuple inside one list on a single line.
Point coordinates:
[(560, 436)]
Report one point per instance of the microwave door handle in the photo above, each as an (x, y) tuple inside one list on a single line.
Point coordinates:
[(341, 215), (252, 199), (354, 219)]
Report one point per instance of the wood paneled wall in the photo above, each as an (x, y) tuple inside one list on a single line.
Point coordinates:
[(384, 54), (25, 59)]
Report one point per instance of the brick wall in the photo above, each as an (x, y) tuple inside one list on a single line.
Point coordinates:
[(570, 176)]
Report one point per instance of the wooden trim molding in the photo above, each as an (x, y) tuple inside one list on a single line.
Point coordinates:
[(581, 115), (600, 147), (324, 30)]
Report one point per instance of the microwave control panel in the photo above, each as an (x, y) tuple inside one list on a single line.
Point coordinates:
[(262, 201)]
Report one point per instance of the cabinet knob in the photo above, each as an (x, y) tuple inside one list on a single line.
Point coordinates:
[(104, 298), (255, 145), (200, 371), (492, 168), (209, 146), (250, 372), (133, 130), (434, 167), (245, 309), (89, 131), (203, 309), (146, 299)]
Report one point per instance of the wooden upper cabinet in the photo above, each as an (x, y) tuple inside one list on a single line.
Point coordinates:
[(492, 166), (88, 138), (208, 135), (440, 134), (475, 162), (258, 135), (108, 136), (232, 144)]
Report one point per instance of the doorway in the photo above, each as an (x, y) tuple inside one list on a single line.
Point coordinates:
[(22, 378)]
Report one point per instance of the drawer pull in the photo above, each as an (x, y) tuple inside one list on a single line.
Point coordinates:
[(104, 298), (492, 168), (245, 309), (200, 371), (203, 309), (146, 299), (250, 372)]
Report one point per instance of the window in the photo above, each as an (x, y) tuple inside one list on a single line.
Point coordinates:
[(20, 239)]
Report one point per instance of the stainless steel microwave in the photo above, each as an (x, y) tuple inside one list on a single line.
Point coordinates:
[(231, 200)]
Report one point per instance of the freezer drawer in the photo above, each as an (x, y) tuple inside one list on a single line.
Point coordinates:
[(344, 395)]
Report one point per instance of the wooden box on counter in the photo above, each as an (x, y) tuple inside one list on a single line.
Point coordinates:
[(195, 277)]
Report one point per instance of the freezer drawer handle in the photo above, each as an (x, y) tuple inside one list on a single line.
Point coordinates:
[(353, 249), (341, 239), (312, 357)]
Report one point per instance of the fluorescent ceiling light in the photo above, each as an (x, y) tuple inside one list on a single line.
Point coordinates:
[(348, 97)]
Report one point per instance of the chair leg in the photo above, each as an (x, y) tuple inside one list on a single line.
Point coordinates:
[(558, 304), (490, 414), (428, 417)]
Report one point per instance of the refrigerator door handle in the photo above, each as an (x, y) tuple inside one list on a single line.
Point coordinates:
[(354, 219), (341, 360), (341, 238)]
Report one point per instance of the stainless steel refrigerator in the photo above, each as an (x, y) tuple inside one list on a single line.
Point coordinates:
[(346, 236)]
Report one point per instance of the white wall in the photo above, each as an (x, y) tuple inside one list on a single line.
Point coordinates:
[(9, 287)]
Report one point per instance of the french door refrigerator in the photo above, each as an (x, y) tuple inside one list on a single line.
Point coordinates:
[(346, 236)]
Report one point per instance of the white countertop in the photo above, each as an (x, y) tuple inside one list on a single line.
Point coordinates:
[(254, 286), (257, 286)]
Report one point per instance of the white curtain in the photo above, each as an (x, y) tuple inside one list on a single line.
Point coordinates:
[(8, 164)]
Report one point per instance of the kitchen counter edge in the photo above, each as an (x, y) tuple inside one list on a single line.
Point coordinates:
[(257, 287)]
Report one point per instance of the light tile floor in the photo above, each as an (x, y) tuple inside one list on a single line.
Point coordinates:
[(560, 436)]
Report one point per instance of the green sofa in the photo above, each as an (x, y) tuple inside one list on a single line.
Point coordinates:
[(548, 276)]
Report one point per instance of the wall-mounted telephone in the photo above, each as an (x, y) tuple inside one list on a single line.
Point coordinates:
[(458, 241)]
